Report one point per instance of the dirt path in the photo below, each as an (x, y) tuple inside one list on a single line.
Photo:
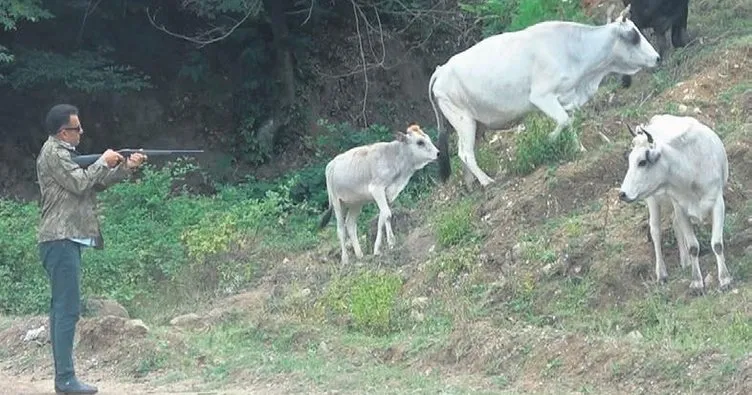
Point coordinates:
[(27, 385)]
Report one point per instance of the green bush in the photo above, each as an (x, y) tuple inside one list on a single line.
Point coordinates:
[(455, 224), (533, 147), (511, 15), (367, 300), (23, 281)]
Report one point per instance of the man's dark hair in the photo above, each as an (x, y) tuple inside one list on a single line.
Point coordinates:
[(59, 116)]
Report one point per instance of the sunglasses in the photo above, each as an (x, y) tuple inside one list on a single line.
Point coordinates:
[(78, 129)]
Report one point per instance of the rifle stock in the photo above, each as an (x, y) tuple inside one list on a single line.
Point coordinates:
[(86, 160)]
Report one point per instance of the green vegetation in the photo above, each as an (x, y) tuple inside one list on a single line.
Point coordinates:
[(534, 148)]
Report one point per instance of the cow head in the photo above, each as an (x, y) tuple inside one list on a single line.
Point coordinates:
[(419, 145), (632, 52), (646, 172)]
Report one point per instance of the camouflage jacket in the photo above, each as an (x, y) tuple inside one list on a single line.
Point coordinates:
[(68, 199)]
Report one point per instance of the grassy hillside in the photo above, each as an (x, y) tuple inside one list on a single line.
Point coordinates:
[(542, 283)]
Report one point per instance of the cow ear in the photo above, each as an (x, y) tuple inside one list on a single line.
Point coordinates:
[(400, 136)]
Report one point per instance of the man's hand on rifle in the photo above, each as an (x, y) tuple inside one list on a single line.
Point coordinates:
[(112, 158), (135, 160)]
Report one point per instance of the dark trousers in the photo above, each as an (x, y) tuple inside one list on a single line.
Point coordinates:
[(62, 261)]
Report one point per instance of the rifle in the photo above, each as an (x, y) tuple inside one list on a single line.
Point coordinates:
[(86, 160)]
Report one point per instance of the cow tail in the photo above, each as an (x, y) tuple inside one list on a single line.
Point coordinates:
[(445, 168), (326, 217)]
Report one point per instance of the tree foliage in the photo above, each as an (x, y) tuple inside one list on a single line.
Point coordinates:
[(87, 71), (14, 11)]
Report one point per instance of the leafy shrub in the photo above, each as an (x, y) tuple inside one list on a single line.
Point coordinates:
[(455, 224), (451, 265), (511, 15), (367, 299), (533, 147), (23, 281)]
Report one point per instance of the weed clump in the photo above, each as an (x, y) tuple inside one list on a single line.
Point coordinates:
[(365, 300), (533, 147)]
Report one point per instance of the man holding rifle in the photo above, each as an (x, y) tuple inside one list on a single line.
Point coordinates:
[(69, 223)]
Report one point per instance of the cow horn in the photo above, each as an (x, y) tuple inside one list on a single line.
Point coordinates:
[(624, 12), (631, 131), (650, 138)]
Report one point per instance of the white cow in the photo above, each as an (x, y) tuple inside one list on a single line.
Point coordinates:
[(678, 159), (553, 66), (376, 172)]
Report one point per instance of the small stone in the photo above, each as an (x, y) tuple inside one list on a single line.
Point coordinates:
[(417, 316), (35, 334), (105, 307), (682, 109), (517, 251), (137, 327), (190, 320), (421, 301), (635, 335)]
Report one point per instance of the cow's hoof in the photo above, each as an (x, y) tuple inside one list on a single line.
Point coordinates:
[(626, 81), (663, 280), (680, 40), (697, 288), (725, 284)]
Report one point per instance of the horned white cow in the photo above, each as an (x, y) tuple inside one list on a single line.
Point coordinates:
[(681, 160), (553, 66), (376, 172)]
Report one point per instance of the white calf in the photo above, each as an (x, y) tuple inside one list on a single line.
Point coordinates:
[(681, 160), (376, 172)]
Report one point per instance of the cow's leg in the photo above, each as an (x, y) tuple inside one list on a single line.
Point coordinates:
[(681, 240), (551, 107), (693, 247), (626, 80), (465, 126), (679, 28), (724, 278), (661, 42), (341, 232), (385, 215), (654, 214), (351, 223)]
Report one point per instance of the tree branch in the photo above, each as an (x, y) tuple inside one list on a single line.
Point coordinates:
[(310, 11), (363, 59), (214, 35)]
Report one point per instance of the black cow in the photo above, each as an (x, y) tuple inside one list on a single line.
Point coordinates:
[(660, 15)]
